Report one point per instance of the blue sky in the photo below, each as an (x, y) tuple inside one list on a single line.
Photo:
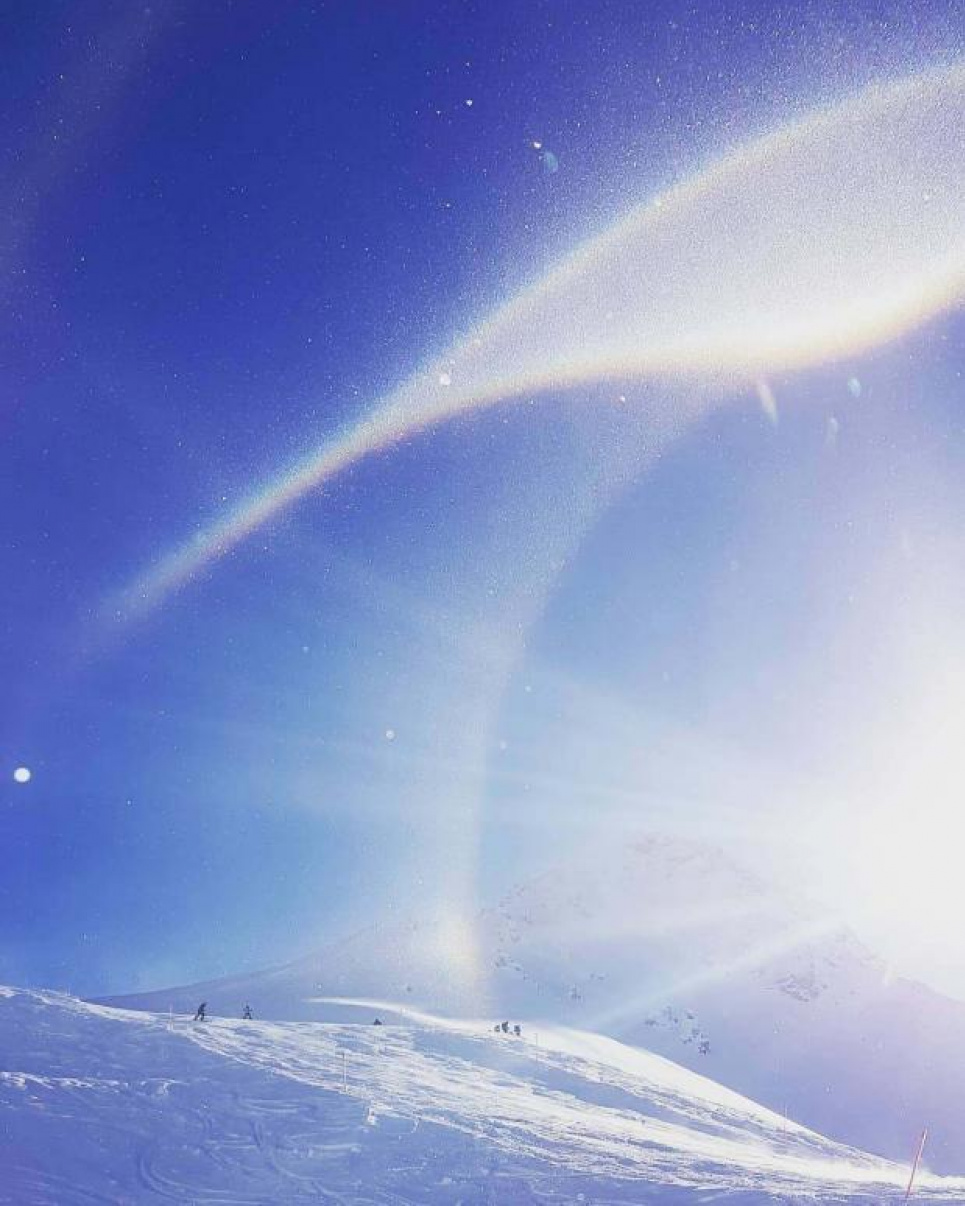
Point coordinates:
[(229, 231)]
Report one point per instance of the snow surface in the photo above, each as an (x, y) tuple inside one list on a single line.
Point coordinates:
[(99, 1105), (666, 944)]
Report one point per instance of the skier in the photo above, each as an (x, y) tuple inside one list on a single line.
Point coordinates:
[(199, 1016), (504, 1027), (517, 1030), (247, 1015), (377, 1022)]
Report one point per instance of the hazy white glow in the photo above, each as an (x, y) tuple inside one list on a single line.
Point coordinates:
[(904, 873), (22, 774), (825, 238)]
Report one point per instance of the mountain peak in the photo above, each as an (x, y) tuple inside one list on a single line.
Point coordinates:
[(668, 944)]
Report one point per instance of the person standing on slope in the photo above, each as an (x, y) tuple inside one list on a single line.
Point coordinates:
[(199, 1016), (247, 1016)]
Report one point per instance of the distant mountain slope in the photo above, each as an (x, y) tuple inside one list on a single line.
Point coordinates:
[(98, 1105), (669, 945)]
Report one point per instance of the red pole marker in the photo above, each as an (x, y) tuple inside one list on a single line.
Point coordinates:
[(914, 1167)]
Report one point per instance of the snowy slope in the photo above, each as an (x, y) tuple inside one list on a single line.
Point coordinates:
[(101, 1105), (669, 945)]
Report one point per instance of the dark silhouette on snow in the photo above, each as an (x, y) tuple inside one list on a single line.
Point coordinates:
[(496, 1028), (199, 1016), (504, 1027), (247, 1015), (517, 1030), (377, 1022)]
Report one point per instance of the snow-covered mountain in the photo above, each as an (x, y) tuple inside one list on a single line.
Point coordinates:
[(102, 1105), (668, 945)]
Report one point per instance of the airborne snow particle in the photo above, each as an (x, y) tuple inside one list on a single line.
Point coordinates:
[(22, 774), (390, 734), (469, 103), (767, 400), (854, 387), (445, 379), (550, 163), (831, 432)]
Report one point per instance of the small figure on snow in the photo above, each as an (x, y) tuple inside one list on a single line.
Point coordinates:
[(199, 1016), (496, 1028), (377, 1022), (518, 1030), (247, 1015), (504, 1027)]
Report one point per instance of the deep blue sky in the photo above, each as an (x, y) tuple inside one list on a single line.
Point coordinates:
[(226, 229)]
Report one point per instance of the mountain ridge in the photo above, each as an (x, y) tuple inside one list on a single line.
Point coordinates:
[(669, 945)]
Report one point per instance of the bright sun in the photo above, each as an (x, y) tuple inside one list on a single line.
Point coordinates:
[(905, 860)]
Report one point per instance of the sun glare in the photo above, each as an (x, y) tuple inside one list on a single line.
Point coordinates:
[(905, 852)]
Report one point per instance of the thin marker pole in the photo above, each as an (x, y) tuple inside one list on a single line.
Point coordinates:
[(914, 1167)]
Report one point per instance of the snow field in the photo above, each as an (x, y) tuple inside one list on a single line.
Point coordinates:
[(104, 1105)]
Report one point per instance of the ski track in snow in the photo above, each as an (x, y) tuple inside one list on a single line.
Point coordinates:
[(107, 1106)]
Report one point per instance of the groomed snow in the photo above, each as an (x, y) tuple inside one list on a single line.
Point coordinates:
[(105, 1105)]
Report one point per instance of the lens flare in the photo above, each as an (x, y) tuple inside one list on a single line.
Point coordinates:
[(826, 238)]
